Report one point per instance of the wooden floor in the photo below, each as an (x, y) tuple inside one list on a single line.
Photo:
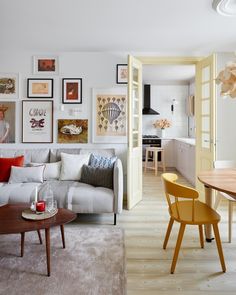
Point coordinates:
[(198, 271)]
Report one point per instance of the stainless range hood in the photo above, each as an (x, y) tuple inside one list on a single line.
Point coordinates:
[(147, 110)]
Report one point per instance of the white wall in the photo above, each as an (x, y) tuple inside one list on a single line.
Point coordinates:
[(97, 70), (161, 100), (226, 117)]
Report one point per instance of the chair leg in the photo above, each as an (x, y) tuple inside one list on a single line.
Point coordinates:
[(230, 220), (155, 162), (114, 218), (201, 235), (217, 201), (169, 228), (219, 246), (177, 247)]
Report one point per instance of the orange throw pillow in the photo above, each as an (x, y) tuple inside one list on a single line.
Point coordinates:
[(5, 166)]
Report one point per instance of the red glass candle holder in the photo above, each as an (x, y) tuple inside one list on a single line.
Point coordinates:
[(40, 206)]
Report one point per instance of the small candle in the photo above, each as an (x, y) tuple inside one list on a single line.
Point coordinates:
[(36, 194), (40, 206)]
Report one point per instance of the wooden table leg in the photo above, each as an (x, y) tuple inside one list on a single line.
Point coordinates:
[(40, 238), (47, 238), (22, 244), (63, 236), (209, 202)]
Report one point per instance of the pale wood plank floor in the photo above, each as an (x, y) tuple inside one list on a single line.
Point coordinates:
[(198, 271)]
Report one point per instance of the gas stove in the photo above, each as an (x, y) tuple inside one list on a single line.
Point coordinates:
[(151, 139)]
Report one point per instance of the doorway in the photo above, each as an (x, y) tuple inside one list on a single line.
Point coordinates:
[(205, 117)]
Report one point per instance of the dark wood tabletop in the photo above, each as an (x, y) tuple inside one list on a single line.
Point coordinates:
[(11, 221)]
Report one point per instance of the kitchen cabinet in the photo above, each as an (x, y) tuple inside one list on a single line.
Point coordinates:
[(185, 160), (168, 145)]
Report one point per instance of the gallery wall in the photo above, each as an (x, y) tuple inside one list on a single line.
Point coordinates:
[(97, 70)]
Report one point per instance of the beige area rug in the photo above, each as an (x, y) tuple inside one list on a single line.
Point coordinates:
[(92, 263)]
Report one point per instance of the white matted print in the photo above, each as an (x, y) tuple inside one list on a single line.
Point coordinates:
[(37, 121), (46, 65), (7, 121), (110, 115), (40, 88), (9, 84)]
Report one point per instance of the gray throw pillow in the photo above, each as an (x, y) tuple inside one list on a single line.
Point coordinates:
[(97, 176), (101, 161)]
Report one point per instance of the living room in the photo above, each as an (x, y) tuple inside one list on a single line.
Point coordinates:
[(65, 109)]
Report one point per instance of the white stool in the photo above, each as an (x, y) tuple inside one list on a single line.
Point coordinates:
[(155, 151)]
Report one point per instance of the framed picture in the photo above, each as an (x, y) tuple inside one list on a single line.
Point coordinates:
[(72, 131), (40, 88), (72, 90), (37, 121), (7, 122), (109, 115), (122, 74), (9, 84), (46, 65)]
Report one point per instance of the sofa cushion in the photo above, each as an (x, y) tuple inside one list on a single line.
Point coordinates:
[(97, 176), (101, 161), (51, 171), (84, 198), (55, 154), (71, 166), (6, 164), (101, 152), (26, 174), (30, 155)]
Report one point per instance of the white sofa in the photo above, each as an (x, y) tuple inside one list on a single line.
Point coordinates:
[(74, 195)]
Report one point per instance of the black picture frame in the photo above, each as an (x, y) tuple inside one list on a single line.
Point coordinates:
[(24, 123), (120, 68), (43, 89), (74, 94)]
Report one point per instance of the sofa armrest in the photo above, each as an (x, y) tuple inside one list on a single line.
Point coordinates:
[(118, 186)]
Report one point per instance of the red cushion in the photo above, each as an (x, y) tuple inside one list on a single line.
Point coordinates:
[(5, 166)]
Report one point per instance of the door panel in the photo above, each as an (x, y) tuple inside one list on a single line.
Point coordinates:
[(134, 194), (205, 117)]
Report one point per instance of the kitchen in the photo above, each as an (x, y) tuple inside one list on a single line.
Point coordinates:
[(169, 94)]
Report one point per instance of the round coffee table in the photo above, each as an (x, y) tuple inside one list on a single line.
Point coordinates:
[(11, 222)]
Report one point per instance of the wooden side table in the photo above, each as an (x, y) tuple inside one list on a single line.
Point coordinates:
[(155, 151)]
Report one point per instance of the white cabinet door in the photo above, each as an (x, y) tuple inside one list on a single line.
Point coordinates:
[(168, 146)]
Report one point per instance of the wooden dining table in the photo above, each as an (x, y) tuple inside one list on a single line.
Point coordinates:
[(223, 180)]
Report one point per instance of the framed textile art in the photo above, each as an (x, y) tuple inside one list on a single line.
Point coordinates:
[(37, 121), (109, 115)]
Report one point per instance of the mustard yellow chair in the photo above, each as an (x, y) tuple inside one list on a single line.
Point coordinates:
[(189, 211)]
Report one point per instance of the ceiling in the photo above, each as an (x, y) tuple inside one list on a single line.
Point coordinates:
[(165, 27)]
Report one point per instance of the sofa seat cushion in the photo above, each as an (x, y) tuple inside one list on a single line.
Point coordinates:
[(17, 192), (85, 198)]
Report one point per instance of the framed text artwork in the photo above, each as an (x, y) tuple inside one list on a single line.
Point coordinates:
[(122, 74), (9, 85), (40, 88), (109, 115), (72, 131), (46, 65), (37, 121), (72, 90), (7, 121)]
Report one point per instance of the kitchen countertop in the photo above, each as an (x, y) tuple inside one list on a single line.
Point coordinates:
[(191, 141)]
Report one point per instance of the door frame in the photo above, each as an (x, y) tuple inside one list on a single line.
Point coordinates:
[(169, 60)]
